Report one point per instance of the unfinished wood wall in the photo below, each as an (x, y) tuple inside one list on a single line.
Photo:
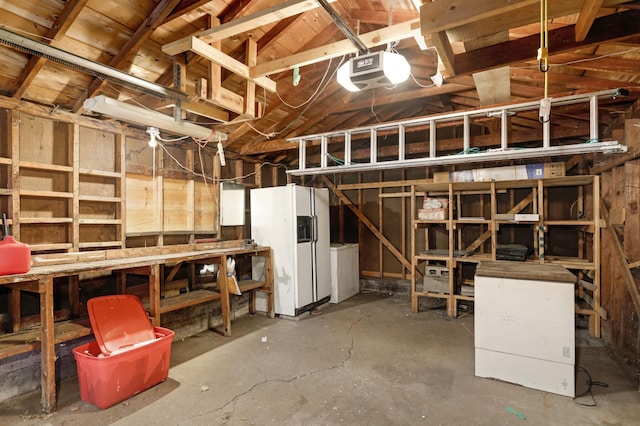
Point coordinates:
[(621, 195)]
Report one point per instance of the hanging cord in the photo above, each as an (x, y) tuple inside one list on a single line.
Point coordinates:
[(543, 52), (590, 385)]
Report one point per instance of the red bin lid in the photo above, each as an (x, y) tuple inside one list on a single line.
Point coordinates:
[(119, 321)]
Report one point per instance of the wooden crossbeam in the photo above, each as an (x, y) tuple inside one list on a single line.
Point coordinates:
[(366, 222)]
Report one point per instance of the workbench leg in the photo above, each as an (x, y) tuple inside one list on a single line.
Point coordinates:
[(224, 297), (15, 310), (47, 346), (271, 311), (154, 294), (74, 294)]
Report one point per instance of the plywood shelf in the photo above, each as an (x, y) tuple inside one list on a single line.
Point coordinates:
[(247, 285), (44, 166), (86, 221), (101, 173), (479, 200), (4, 160), (42, 220), (101, 244), (5, 191), (51, 247), (45, 194), (191, 298), (99, 199), (29, 340)]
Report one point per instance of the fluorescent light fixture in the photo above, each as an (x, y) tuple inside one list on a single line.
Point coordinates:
[(489, 155), (373, 70), (146, 117)]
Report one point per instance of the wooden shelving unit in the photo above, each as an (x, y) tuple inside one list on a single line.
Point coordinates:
[(566, 232)]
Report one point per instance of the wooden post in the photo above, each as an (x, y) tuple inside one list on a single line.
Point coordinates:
[(154, 294), (47, 345), (15, 309), (14, 140), (271, 283), (224, 297), (74, 153)]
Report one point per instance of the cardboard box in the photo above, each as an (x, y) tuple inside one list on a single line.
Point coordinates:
[(554, 169), (433, 214), (441, 177)]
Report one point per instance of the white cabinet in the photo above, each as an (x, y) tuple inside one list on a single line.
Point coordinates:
[(525, 326), (345, 271)]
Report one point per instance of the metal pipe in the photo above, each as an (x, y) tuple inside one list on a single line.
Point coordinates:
[(86, 66)]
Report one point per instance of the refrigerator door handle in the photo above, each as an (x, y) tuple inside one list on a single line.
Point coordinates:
[(314, 232)]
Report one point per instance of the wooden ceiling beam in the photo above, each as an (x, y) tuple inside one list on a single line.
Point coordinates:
[(518, 18), (446, 14), (57, 31), (246, 23), (371, 39), (381, 17), (131, 47), (604, 29), (216, 56), (588, 14)]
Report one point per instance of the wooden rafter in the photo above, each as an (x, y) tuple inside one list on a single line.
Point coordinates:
[(587, 15), (374, 38), (57, 31), (130, 48)]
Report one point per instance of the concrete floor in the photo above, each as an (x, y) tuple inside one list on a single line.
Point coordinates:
[(367, 361)]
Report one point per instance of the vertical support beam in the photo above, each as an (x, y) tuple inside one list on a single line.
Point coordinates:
[(217, 174), (257, 170), (47, 345), (224, 297), (250, 96), (414, 263), (542, 216), (493, 227), (159, 191), (180, 82), (74, 294), (268, 264), (214, 70), (191, 196), (381, 226), (15, 310), (14, 140), (596, 323), (74, 152), (154, 294), (452, 305), (122, 282), (121, 187)]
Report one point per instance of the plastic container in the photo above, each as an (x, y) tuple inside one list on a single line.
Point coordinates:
[(15, 257), (128, 356)]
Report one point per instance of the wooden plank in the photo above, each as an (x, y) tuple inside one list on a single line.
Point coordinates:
[(100, 199), (45, 166), (216, 56), (250, 92), (46, 194), (371, 39), (445, 52), (191, 298), (154, 294), (629, 281), (47, 349), (224, 297), (587, 15), (15, 310), (247, 23), (446, 14), (366, 222), (13, 137)]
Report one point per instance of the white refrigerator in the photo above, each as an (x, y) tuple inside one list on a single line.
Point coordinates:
[(294, 221)]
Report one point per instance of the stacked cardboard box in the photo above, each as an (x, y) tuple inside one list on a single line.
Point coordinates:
[(523, 171)]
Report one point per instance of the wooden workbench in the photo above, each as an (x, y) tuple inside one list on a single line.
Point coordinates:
[(40, 279)]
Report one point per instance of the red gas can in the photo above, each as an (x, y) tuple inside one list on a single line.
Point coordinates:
[(15, 257)]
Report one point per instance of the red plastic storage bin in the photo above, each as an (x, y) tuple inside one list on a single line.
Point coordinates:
[(128, 356)]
